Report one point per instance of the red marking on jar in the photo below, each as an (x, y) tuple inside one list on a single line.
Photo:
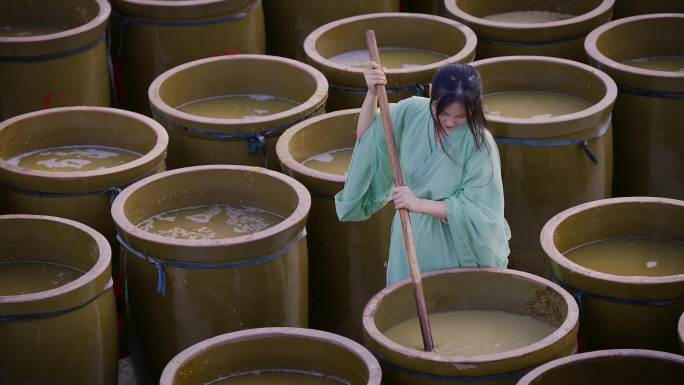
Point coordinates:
[(47, 100), (230, 51)]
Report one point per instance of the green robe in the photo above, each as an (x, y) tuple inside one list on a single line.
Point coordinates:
[(467, 180)]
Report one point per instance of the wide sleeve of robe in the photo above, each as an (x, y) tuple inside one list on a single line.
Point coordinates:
[(368, 186), (475, 212)]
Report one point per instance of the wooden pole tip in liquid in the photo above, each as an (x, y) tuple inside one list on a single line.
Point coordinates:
[(403, 213)]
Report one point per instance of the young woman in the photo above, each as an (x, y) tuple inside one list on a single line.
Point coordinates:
[(451, 169)]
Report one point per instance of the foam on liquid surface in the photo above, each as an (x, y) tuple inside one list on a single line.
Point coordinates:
[(631, 256), (333, 162), (532, 104), (390, 57), (210, 222), (74, 158), (238, 106)]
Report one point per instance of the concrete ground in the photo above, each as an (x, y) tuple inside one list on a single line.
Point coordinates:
[(126, 372)]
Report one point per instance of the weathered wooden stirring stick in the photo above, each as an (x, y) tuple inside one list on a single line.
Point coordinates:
[(403, 213)]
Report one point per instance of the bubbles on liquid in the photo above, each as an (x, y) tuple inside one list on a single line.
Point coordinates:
[(391, 57), (73, 157), (64, 163), (200, 234), (209, 222), (206, 216), (333, 162), (651, 264), (242, 223), (85, 152), (148, 224), (260, 97), (325, 157), (541, 116)]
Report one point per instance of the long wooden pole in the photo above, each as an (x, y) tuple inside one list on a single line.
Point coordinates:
[(403, 213)]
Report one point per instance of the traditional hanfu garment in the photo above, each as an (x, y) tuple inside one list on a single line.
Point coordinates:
[(466, 179)]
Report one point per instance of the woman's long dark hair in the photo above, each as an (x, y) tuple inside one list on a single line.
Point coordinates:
[(459, 83)]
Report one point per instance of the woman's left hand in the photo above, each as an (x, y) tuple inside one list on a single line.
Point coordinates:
[(404, 198)]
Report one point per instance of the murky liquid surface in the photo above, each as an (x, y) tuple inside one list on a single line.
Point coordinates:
[(210, 222), (238, 106), (528, 17), (472, 332), (659, 63), (333, 162), (26, 277), (279, 377), (391, 57), (631, 256), (74, 158), (27, 30), (532, 104)]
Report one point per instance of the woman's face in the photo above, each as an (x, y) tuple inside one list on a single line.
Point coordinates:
[(452, 116)]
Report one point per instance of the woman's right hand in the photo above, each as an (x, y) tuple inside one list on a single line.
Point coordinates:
[(374, 76)]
